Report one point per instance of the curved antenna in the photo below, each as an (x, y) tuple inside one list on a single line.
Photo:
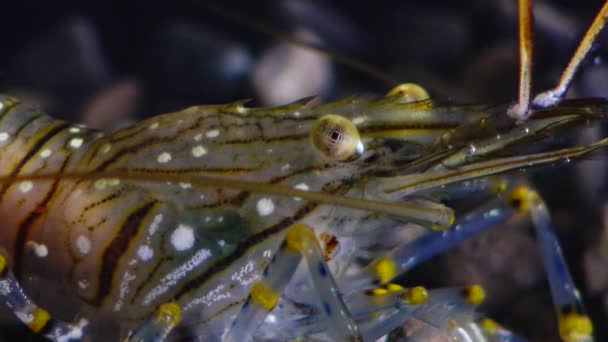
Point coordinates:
[(256, 25), (553, 96)]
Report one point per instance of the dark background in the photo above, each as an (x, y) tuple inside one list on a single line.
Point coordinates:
[(108, 63)]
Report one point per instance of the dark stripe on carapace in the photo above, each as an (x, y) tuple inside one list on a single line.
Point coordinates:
[(27, 122), (8, 108), (23, 231), (242, 248), (116, 248), (32, 152)]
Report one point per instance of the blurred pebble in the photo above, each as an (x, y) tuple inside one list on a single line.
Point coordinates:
[(190, 62), (596, 261), (114, 104), (67, 63), (286, 73)]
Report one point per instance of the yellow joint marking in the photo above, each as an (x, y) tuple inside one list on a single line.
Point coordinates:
[(410, 92), (522, 198), (489, 326), (474, 294), (498, 186), (416, 295), (392, 287), (574, 326), (385, 270), (264, 296), (378, 291), (2, 263), (40, 318), (169, 314), (442, 227), (452, 323), (299, 237)]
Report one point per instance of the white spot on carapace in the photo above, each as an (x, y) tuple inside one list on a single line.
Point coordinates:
[(83, 284), (359, 120), (182, 238), (265, 206), (296, 114), (113, 181), (155, 223), (164, 157), (106, 148), (100, 184), (154, 125), (1, 105), (74, 130), (214, 133), (145, 252), (83, 244), (39, 250), (46, 153), (303, 187), (26, 186), (76, 142), (4, 136), (198, 151), (221, 243), (285, 167), (185, 185), (220, 219), (198, 137)]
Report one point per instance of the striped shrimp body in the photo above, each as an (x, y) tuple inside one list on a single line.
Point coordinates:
[(206, 223), (151, 232)]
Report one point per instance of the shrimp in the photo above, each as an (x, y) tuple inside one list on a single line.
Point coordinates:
[(206, 222)]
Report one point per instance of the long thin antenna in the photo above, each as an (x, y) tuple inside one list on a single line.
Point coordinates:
[(553, 96), (520, 110)]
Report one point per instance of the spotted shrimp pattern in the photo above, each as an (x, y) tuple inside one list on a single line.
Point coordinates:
[(205, 223)]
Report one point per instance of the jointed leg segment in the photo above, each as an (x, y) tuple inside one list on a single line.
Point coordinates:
[(36, 318)]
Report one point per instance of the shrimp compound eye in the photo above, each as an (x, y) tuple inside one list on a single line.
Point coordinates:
[(336, 137), (409, 92)]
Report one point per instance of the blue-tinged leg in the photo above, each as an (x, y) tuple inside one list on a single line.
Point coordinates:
[(300, 241), (442, 309), (265, 293), (574, 324), (405, 257), (37, 319)]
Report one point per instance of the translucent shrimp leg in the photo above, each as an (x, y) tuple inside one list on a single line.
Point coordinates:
[(157, 327), (574, 324), (300, 241), (440, 308), (37, 319), (404, 257), (553, 96)]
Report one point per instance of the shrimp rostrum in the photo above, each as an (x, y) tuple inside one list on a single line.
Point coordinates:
[(226, 222)]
